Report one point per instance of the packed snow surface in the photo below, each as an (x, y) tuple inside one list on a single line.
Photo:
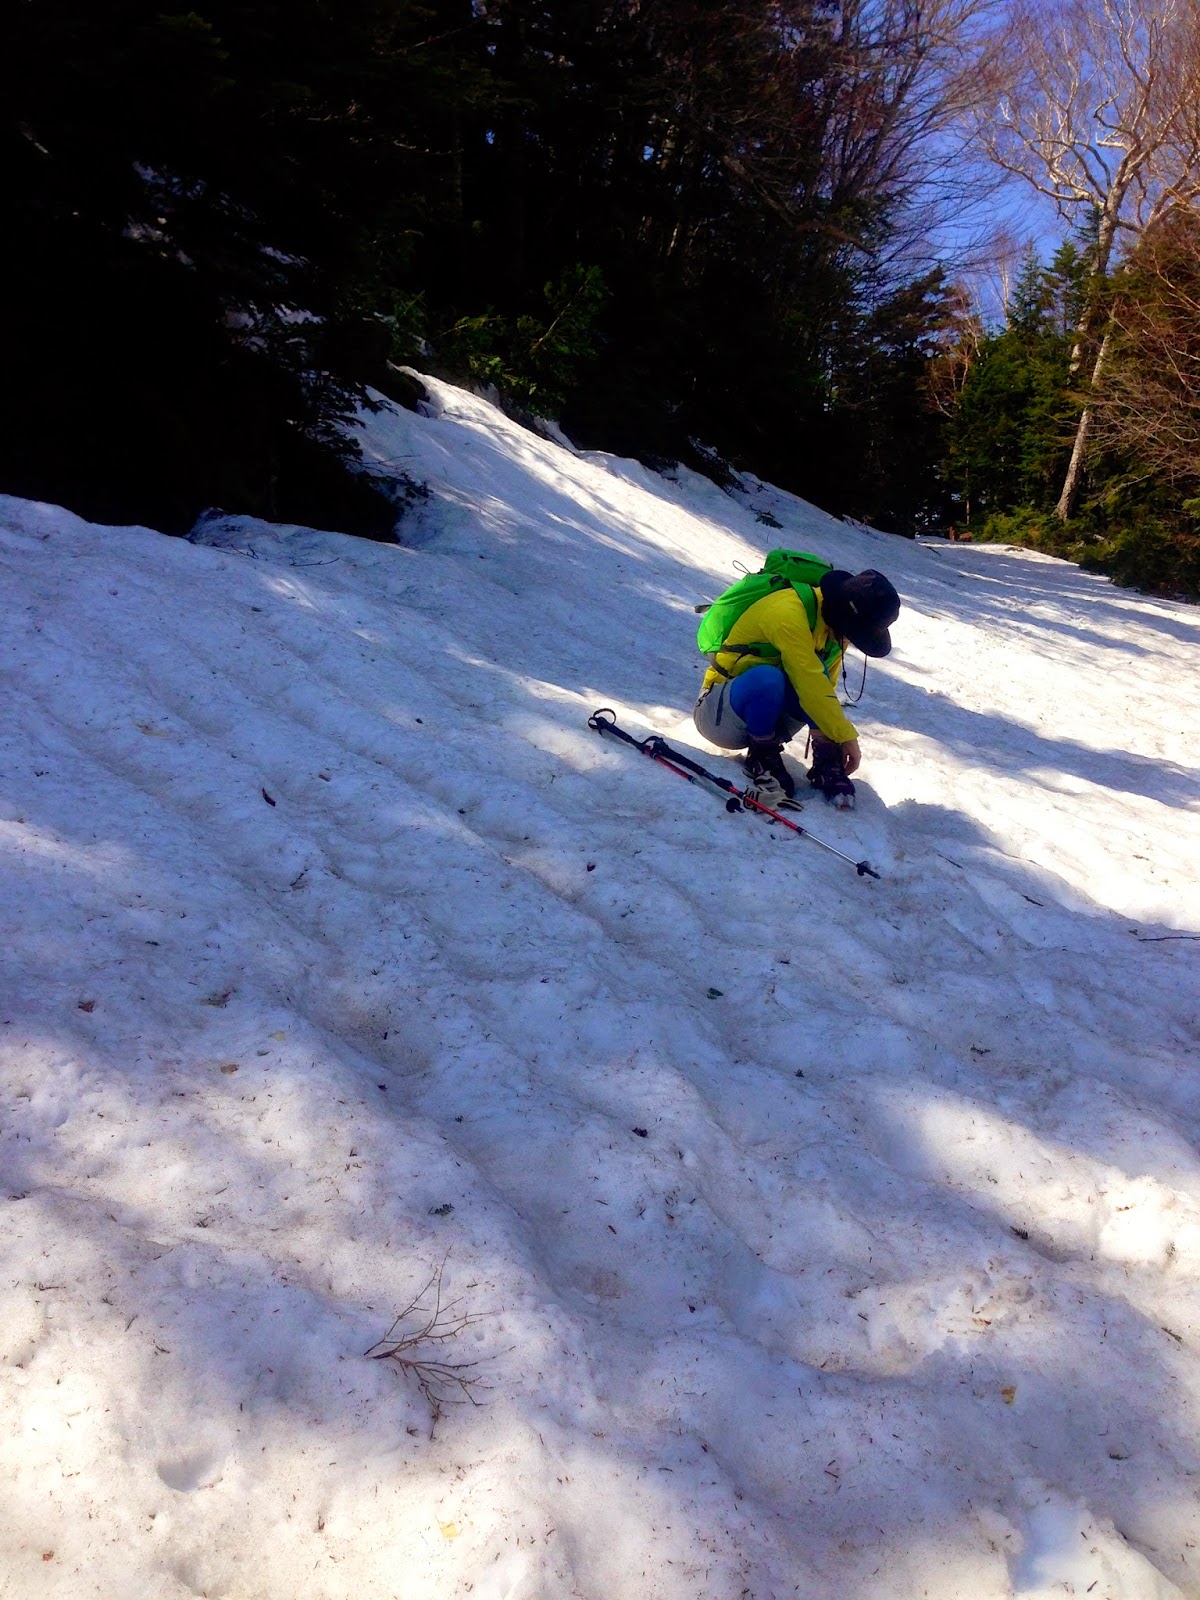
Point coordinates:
[(779, 1232)]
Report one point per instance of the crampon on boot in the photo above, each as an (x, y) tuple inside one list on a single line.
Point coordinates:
[(829, 776), (770, 781)]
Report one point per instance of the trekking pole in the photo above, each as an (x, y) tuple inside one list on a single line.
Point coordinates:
[(605, 721), (657, 748)]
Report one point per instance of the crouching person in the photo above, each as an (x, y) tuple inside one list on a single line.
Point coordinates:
[(773, 674)]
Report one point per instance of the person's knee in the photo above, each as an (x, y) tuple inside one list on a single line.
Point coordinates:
[(757, 696)]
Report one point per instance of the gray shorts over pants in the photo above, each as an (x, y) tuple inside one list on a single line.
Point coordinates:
[(719, 723)]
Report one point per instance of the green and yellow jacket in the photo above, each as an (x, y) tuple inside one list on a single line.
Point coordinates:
[(775, 631)]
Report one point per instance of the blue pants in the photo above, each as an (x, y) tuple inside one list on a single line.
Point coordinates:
[(762, 697)]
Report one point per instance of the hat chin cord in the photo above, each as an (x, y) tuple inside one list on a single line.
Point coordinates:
[(853, 700)]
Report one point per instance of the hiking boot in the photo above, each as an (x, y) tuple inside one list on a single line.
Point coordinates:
[(828, 774), (763, 765)]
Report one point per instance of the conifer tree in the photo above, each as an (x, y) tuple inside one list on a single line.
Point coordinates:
[(1010, 431), (193, 191)]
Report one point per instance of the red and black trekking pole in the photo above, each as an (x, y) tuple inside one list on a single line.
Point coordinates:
[(657, 748)]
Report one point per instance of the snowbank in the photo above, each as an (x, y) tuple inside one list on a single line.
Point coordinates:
[(795, 1234)]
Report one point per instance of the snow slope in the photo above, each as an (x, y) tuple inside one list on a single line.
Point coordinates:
[(807, 1235)]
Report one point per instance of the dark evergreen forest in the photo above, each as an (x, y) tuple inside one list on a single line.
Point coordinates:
[(686, 231)]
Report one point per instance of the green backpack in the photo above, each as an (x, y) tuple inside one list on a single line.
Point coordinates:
[(781, 568)]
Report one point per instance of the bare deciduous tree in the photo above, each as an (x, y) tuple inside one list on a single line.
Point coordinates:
[(912, 75), (958, 350), (1101, 113), (828, 118), (1148, 406)]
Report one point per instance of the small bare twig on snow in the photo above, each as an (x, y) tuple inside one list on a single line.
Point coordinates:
[(411, 1345)]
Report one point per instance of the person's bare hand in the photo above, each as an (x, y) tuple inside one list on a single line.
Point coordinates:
[(851, 757)]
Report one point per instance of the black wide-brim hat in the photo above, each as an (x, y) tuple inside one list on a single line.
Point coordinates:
[(861, 607)]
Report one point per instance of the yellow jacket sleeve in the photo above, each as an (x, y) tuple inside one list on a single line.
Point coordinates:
[(780, 621)]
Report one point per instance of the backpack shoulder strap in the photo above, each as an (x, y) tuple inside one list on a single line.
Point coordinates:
[(808, 600)]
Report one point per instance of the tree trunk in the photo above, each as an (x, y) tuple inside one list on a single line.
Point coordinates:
[(456, 18), (1070, 489), (511, 130), (1105, 240)]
